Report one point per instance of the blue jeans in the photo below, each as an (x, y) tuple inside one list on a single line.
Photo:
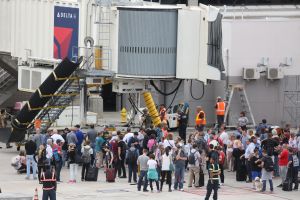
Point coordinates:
[(276, 167), (132, 170), (49, 194), (265, 185), (143, 175), (179, 177), (58, 166), (64, 157), (29, 161)]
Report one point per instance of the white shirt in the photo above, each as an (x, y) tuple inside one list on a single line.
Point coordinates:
[(56, 136), (49, 152), (166, 162), (225, 138), (249, 150), (152, 164), (127, 137), (169, 143)]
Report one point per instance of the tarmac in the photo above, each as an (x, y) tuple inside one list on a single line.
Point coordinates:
[(11, 182)]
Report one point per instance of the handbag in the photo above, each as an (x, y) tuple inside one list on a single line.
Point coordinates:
[(171, 167)]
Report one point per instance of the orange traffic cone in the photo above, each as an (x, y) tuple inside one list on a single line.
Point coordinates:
[(36, 196)]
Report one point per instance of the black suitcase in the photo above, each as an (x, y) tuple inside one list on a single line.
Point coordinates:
[(92, 173), (287, 185), (201, 179)]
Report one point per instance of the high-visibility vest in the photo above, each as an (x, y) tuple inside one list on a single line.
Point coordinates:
[(220, 108), (37, 123), (200, 121)]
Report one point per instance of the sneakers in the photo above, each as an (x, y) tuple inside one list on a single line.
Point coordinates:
[(170, 190), (279, 186), (181, 189)]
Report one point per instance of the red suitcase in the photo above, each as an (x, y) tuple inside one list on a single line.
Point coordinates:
[(110, 175)]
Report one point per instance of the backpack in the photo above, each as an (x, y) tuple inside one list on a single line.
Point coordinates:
[(132, 156), (268, 164), (56, 155), (192, 158), (86, 156)]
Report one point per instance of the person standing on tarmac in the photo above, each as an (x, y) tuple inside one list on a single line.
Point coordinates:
[(220, 111), (3, 124), (200, 119), (182, 125), (213, 181)]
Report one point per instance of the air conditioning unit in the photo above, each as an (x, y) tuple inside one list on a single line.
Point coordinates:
[(129, 86), (275, 73), (251, 73)]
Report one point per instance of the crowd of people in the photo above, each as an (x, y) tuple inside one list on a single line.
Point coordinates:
[(154, 155)]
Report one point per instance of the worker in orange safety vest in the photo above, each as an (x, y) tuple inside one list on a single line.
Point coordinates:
[(220, 111), (200, 119)]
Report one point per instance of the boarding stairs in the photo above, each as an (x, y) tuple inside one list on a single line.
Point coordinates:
[(237, 91), (58, 102)]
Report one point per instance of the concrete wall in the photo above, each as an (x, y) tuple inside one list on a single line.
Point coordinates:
[(247, 42)]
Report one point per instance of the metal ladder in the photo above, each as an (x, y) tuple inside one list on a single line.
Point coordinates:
[(104, 26), (58, 102), (245, 105)]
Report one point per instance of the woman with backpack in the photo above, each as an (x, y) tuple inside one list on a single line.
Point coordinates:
[(86, 156)]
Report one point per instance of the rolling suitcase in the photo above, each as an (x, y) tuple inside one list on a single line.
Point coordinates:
[(201, 178), (92, 173), (287, 185), (110, 174)]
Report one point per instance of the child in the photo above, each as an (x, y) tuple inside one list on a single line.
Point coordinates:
[(266, 173), (152, 172), (293, 167), (255, 166), (213, 181), (72, 162), (109, 157)]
